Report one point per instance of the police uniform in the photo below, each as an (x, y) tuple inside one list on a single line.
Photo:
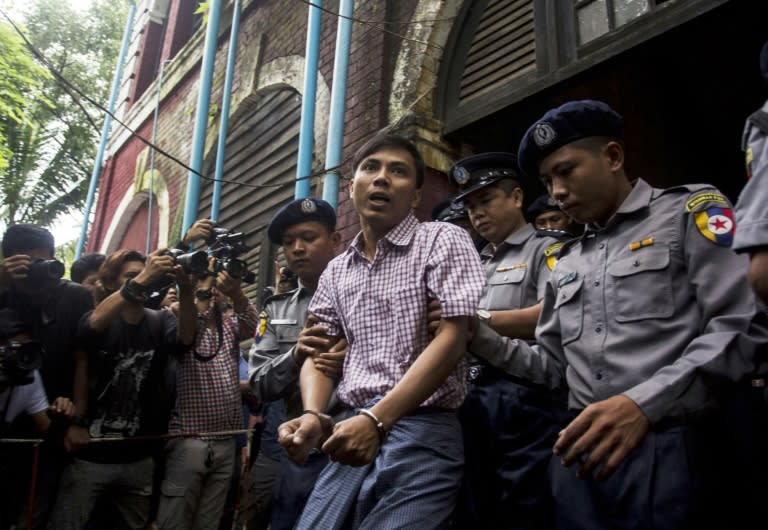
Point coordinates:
[(274, 377), (653, 306), (509, 426)]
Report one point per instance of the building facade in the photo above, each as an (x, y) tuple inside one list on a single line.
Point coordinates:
[(458, 76)]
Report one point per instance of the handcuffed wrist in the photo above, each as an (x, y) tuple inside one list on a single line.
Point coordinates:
[(376, 422), (326, 422)]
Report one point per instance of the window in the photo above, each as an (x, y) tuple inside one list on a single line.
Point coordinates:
[(595, 18)]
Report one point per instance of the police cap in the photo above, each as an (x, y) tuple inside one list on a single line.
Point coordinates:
[(543, 203), (449, 209), (481, 170), (300, 211), (565, 124)]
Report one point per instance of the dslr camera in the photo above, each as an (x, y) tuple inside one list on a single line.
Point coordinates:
[(18, 360), (191, 262), (44, 271), (226, 246)]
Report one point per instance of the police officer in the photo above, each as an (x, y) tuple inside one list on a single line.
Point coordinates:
[(509, 426), (546, 216), (751, 212), (449, 210), (643, 315), (306, 229)]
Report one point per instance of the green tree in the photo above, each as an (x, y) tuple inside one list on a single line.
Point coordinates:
[(55, 149)]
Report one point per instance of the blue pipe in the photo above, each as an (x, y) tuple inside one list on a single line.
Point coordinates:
[(307, 127), (338, 102), (201, 116), (226, 99), (96, 174)]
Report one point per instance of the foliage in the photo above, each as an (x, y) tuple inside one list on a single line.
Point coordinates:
[(54, 150)]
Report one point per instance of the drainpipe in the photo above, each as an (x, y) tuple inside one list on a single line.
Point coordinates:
[(226, 98), (338, 102), (152, 155), (307, 127), (201, 116), (97, 164)]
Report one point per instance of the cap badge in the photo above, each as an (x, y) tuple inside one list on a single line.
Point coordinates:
[(461, 175), (308, 206), (551, 201), (543, 134)]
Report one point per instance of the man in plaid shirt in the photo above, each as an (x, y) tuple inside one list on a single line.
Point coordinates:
[(397, 459)]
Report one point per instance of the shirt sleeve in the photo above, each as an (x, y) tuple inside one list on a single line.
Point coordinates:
[(34, 398), (752, 207), (272, 375), (323, 304), (730, 330), (455, 275)]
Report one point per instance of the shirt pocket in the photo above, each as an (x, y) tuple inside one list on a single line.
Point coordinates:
[(642, 286), (287, 335), (506, 289), (569, 306)]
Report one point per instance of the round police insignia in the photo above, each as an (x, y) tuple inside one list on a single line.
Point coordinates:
[(308, 206), (551, 201), (543, 134), (717, 225), (461, 175)]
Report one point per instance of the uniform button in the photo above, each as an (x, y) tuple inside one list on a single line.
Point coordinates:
[(597, 282), (598, 376), (602, 245), (598, 329), (635, 263)]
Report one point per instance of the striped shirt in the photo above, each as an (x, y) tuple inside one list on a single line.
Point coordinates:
[(208, 378), (380, 306)]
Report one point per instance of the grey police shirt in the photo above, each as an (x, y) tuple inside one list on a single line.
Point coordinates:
[(645, 306), (752, 207)]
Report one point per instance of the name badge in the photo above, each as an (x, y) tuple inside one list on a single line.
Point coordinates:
[(568, 278), (283, 322)]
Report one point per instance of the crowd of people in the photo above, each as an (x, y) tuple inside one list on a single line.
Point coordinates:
[(582, 363)]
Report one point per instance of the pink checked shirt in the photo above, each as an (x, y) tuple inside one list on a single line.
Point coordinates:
[(380, 306)]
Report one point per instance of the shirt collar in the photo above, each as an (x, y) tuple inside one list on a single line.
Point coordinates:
[(639, 198), (401, 235), (516, 238)]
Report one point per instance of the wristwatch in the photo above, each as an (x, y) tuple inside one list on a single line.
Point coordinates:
[(484, 316), (203, 294)]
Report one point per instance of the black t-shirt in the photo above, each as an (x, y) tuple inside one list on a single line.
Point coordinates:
[(129, 394), (53, 316)]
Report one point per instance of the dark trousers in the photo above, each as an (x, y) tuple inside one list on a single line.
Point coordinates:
[(293, 485), (509, 430)]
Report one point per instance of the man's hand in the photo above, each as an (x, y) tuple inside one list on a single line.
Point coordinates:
[(313, 340), (299, 436), (602, 435), (228, 285), (200, 229), (354, 441), (14, 267), (331, 362), (158, 265), (63, 408), (247, 395)]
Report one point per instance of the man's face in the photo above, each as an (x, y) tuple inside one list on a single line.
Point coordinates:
[(384, 190), (171, 297), (583, 182), (552, 220), (494, 214), (308, 248), (129, 270)]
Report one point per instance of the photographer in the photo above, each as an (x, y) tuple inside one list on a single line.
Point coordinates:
[(198, 470), (22, 393), (50, 307), (129, 347)]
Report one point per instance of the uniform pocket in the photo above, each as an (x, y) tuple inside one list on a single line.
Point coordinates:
[(642, 286), (569, 305)]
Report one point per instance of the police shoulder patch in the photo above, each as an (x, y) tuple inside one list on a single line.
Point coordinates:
[(705, 199), (716, 224)]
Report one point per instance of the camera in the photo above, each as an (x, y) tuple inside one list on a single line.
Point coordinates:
[(191, 262), (45, 270), (225, 246), (18, 360)]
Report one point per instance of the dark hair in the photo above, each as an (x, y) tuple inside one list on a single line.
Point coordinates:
[(110, 269), (385, 140), (11, 324), (84, 266), (21, 237)]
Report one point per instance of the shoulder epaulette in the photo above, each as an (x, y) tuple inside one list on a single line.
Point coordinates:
[(279, 296)]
